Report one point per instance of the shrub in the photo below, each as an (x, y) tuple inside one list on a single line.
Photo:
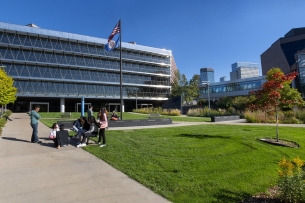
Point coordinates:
[(259, 116), (8, 112), (158, 110), (299, 114), (206, 112), (291, 183)]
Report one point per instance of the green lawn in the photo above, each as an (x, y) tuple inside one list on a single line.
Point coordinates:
[(204, 163)]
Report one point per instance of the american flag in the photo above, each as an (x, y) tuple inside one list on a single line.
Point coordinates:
[(115, 31)]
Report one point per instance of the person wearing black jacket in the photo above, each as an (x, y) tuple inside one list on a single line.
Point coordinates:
[(62, 137), (91, 132)]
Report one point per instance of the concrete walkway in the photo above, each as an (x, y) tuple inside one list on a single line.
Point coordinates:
[(40, 173)]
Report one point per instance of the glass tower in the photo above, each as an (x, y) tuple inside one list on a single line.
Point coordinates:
[(207, 74)]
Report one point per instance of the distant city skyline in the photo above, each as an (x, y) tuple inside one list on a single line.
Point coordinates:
[(199, 33)]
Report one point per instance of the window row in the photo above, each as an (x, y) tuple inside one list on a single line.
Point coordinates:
[(73, 89), (80, 74), (46, 43), (231, 87), (56, 58)]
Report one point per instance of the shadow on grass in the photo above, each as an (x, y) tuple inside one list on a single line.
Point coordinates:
[(225, 196), (203, 136)]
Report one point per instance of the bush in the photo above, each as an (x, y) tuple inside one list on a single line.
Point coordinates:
[(206, 112), (299, 114), (8, 112), (158, 110), (291, 183), (259, 116)]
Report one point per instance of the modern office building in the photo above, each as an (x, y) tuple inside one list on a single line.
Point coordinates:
[(241, 70), (207, 74), (287, 53), (222, 79), (300, 80), (282, 53), (239, 87), (56, 69)]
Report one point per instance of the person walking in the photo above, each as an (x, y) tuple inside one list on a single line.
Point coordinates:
[(34, 124), (90, 112), (103, 125)]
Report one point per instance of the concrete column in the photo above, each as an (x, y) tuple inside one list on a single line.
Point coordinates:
[(62, 105), (83, 106)]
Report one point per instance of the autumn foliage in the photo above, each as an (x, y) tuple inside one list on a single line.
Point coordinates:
[(276, 92)]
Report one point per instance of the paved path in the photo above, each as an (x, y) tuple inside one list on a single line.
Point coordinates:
[(40, 173)]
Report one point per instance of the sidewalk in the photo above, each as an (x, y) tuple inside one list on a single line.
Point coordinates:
[(41, 173)]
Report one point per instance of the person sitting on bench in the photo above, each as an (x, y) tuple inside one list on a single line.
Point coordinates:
[(93, 131), (114, 116)]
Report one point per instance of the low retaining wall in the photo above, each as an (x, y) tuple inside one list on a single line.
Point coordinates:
[(127, 123), (224, 118)]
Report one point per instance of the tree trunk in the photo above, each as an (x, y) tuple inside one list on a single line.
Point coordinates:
[(277, 126)]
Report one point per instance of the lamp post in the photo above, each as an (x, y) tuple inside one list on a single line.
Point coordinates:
[(208, 84)]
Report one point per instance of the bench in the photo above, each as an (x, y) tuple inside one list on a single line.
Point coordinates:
[(224, 118), (154, 116), (66, 114), (88, 138)]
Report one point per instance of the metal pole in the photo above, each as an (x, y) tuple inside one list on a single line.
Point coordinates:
[(209, 96), (121, 77)]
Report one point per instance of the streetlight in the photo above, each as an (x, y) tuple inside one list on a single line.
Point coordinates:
[(208, 84)]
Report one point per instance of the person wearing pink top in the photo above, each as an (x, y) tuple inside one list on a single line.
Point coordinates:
[(103, 125)]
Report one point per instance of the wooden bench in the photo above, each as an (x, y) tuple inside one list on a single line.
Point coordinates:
[(66, 114), (154, 116)]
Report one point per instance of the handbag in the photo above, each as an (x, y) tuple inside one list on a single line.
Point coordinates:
[(103, 125), (51, 137)]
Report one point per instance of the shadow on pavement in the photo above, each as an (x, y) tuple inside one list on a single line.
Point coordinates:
[(15, 139)]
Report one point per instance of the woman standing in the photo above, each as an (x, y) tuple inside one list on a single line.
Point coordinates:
[(103, 126)]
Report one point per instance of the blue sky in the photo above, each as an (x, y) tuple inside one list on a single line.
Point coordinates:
[(200, 33)]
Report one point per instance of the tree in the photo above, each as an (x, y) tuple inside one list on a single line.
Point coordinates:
[(7, 90), (180, 86), (192, 90), (176, 89), (242, 102), (276, 94), (224, 102)]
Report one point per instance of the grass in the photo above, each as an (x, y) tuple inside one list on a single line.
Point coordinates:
[(2, 123), (204, 163)]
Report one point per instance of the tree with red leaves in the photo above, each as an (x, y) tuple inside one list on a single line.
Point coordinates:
[(276, 94)]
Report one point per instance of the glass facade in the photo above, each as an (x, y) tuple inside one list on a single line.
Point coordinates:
[(231, 87), (301, 75), (57, 64), (207, 74)]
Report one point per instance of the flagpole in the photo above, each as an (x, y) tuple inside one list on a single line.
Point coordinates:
[(121, 76)]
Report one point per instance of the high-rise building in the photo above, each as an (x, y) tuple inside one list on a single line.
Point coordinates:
[(56, 69), (241, 70), (207, 74), (287, 53), (282, 53)]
